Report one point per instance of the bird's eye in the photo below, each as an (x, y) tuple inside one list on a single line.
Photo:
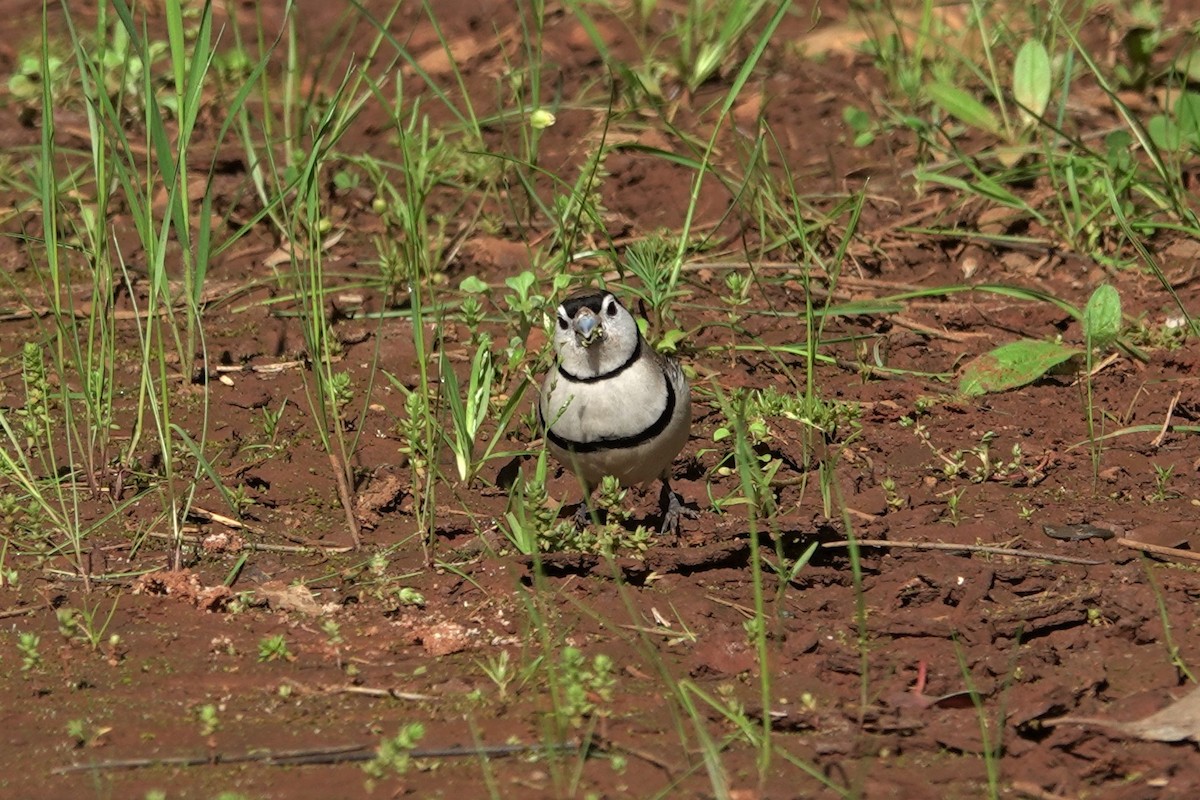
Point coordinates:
[(562, 324), (612, 308)]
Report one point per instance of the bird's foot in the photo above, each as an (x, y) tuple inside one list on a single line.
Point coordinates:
[(673, 511), (583, 515)]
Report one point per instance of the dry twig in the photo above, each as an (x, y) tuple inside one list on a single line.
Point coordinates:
[(341, 754), (1159, 550), (970, 548)]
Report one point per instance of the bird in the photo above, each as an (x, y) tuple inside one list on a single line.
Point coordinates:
[(612, 405)]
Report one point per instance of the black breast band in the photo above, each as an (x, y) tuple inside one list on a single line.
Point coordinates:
[(612, 373), (617, 442)]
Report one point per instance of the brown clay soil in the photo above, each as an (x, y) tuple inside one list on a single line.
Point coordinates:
[(1100, 634)]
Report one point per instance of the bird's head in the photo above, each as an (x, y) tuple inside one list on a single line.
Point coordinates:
[(594, 327)]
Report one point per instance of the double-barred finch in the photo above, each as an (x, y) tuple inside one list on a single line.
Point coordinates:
[(614, 406)]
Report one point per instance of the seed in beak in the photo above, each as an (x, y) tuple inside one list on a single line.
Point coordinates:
[(587, 328)]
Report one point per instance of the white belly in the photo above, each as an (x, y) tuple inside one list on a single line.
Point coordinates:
[(605, 424)]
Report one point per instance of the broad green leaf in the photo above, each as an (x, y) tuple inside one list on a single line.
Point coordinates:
[(472, 284), (859, 122), (1031, 79), (1188, 65), (1119, 147), (1102, 316), (521, 283), (669, 343), (1012, 365), (856, 118), (1187, 117), (964, 107), (1164, 133)]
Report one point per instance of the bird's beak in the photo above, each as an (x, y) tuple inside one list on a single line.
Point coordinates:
[(587, 328)]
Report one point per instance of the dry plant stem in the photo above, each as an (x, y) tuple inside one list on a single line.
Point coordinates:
[(970, 548), (17, 611), (265, 548), (610, 746), (1105, 364), (1166, 426), (1091, 722), (343, 488), (332, 755), (1032, 790), (81, 312), (367, 691), (745, 611), (228, 522), (1158, 549), (264, 368), (938, 333), (88, 580), (341, 754)]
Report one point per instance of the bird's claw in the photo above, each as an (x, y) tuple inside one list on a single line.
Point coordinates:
[(675, 509)]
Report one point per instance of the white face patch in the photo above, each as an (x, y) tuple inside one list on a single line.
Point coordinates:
[(589, 328), (594, 335)]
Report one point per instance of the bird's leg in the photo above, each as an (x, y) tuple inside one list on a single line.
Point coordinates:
[(583, 514), (673, 509)]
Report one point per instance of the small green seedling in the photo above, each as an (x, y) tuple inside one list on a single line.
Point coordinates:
[(394, 755), (1162, 484), (409, 596), (953, 499), (84, 734), (500, 671), (209, 719), (332, 631), (892, 497), (31, 658), (274, 648), (587, 687)]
